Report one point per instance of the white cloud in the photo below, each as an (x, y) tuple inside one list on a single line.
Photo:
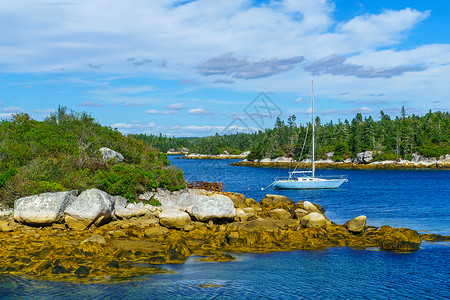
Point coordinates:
[(387, 28), (174, 106), (92, 104), (44, 111), (200, 111), (157, 112), (135, 126), (13, 109)]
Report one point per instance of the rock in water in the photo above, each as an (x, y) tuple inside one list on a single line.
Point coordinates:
[(45, 208), (357, 224), (215, 207), (108, 154), (90, 207), (314, 219), (402, 239), (174, 218)]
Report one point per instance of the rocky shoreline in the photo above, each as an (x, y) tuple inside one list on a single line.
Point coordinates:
[(219, 156), (95, 237), (363, 160), (342, 165)]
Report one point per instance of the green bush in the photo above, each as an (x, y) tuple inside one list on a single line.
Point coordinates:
[(62, 153)]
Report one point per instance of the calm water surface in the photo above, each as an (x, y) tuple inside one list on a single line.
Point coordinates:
[(417, 199)]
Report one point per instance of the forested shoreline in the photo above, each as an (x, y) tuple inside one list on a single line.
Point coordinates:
[(389, 138)]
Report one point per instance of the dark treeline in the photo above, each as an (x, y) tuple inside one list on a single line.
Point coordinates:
[(216, 144), (390, 138)]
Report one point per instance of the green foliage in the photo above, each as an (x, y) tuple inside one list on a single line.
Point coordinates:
[(62, 153), (153, 201)]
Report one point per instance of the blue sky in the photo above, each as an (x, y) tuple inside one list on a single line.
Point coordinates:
[(194, 68)]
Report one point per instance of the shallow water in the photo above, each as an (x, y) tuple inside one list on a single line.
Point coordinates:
[(417, 199)]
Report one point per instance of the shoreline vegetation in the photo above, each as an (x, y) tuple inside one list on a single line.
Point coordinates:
[(136, 238), (71, 151), (389, 140)]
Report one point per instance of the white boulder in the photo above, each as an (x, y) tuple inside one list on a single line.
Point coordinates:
[(91, 207), (45, 208), (309, 207), (364, 157), (214, 207), (314, 220), (108, 154)]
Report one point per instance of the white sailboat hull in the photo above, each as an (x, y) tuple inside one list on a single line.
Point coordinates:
[(309, 183)]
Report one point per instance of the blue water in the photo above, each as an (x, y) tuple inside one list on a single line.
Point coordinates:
[(417, 199)]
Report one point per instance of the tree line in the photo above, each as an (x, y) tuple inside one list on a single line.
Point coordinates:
[(389, 138)]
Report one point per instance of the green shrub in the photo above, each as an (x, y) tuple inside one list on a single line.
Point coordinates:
[(62, 153)]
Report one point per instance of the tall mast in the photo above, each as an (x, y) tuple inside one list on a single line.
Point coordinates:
[(313, 143)]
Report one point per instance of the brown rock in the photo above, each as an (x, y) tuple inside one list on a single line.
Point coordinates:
[(76, 224), (174, 218), (241, 216), (155, 231), (402, 239), (220, 257), (279, 214), (6, 226), (300, 213), (96, 238), (357, 224), (261, 225), (270, 200)]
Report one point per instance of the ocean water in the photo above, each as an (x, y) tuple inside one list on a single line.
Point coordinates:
[(417, 199)]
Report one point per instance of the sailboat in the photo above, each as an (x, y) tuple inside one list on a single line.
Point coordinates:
[(307, 179)]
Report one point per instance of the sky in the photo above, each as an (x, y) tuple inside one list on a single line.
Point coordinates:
[(196, 68)]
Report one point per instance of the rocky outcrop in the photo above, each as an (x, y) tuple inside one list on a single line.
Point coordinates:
[(174, 218), (215, 208), (91, 207), (357, 224), (111, 250), (45, 208), (109, 154)]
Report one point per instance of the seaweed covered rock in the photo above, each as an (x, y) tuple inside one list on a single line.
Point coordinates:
[(45, 208), (400, 239)]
